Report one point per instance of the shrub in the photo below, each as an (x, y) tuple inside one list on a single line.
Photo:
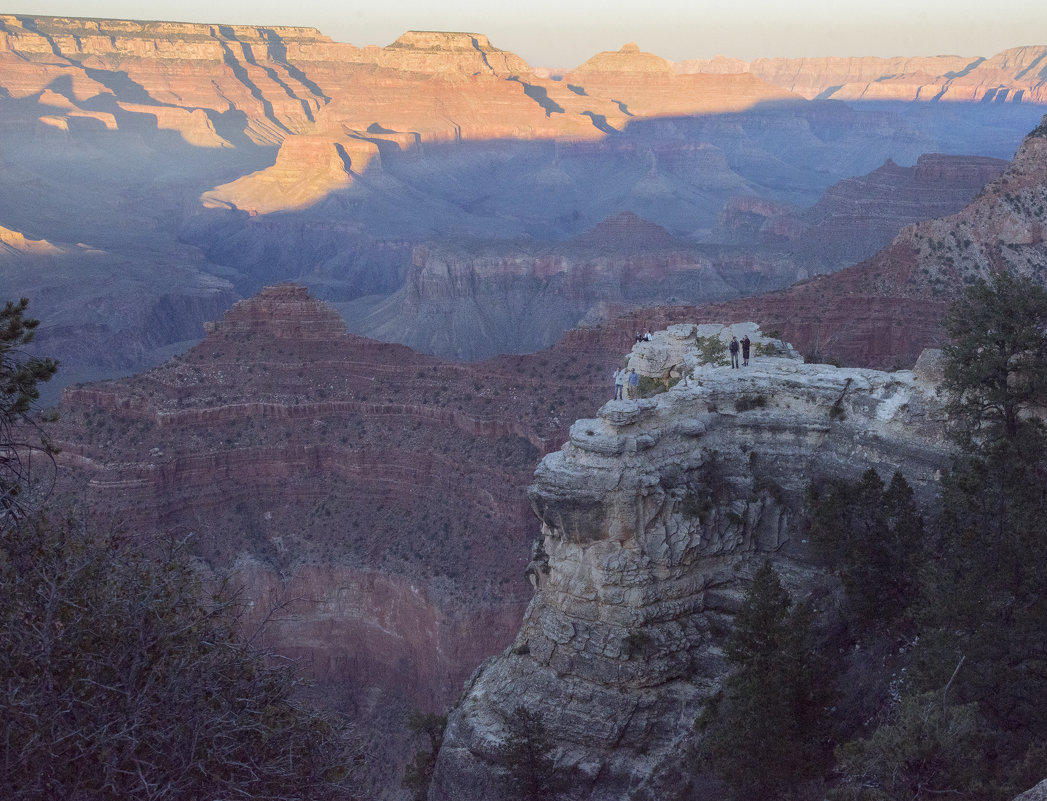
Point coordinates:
[(124, 678)]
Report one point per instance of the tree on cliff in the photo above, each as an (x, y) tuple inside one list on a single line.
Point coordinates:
[(996, 363), (526, 754), (19, 376), (769, 731), (986, 600), (872, 536), (973, 717)]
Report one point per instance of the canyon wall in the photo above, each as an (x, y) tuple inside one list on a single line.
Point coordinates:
[(374, 496), (179, 167), (1017, 75), (886, 310)]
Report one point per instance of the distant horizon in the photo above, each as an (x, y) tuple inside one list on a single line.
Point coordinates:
[(562, 35)]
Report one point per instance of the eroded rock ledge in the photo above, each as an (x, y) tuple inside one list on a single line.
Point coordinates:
[(653, 517)]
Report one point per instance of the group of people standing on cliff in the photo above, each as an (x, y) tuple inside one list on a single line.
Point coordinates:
[(746, 344), (624, 378), (629, 378)]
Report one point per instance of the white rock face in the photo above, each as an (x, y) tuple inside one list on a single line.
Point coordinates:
[(653, 517)]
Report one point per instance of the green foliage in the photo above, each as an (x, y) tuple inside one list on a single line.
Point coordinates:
[(873, 538), (125, 678), (418, 774), (526, 755), (769, 732), (996, 368), (927, 750), (713, 350), (986, 598), (648, 386), (20, 435)]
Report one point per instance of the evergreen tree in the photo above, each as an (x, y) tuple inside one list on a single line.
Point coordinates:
[(769, 731), (418, 774), (20, 436), (984, 604), (996, 369), (873, 538), (526, 754), (124, 677)]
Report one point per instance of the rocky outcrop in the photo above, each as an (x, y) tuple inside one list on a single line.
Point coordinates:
[(1037, 793), (652, 518), (440, 52)]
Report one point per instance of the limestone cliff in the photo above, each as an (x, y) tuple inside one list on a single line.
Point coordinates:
[(652, 518)]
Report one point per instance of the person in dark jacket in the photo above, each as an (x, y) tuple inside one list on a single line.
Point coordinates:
[(733, 347), (746, 344)]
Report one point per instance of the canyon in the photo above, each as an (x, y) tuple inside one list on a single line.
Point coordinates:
[(884, 311), (219, 221), (370, 500), (175, 168)]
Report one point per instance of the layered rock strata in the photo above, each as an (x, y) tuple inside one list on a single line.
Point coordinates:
[(652, 519), (378, 491), (886, 310), (1016, 75)]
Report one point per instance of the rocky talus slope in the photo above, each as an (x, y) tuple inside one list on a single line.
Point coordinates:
[(652, 518)]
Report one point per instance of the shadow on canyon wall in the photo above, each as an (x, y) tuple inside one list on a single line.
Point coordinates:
[(139, 264)]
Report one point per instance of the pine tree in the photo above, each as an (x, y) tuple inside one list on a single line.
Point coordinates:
[(20, 435), (769, 732), (526, 754), (873, 538), (984, 604)]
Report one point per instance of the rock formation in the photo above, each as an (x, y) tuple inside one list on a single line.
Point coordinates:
[(652, 518), (376, 497), (1013, 76), (470, 300), (885, 311), (221, 158)]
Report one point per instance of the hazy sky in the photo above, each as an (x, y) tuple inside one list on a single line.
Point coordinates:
[(563, 33)]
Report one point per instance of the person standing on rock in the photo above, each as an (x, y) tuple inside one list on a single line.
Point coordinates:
[(746, 345), (634, 384), (734, 352), (619, 384)]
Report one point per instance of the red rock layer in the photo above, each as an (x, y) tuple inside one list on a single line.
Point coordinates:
[(380, 489)]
